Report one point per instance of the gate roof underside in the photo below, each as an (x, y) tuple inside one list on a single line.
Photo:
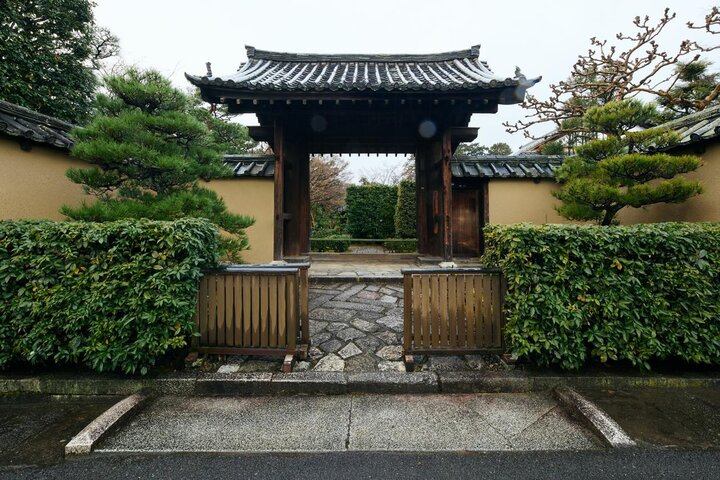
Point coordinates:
[(361, 103)]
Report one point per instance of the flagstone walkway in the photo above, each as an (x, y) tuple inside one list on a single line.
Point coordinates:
[(357, 327)]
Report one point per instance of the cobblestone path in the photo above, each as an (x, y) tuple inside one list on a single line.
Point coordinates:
[(357, 327)]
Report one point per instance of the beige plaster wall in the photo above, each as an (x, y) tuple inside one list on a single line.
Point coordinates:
[(518, 201), (702, 208), (254, 197), (33, 183)]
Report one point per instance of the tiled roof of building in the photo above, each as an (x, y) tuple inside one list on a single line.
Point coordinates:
[(24, 123), (484, 166), (251, 165), (275, 71), (696, 127), (510, 166)]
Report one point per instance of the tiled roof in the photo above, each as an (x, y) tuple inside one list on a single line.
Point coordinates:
[(696, 127), (21, 122), (251, 165), (510, 166), (274, 71)]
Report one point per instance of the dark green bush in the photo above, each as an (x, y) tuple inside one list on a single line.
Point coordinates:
[(335, 243), (111, 296), (405, 210), (400, 246), (371, 210), (637, 293)]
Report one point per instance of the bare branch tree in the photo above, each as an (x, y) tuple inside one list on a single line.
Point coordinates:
[(329, 177), (637, 64)]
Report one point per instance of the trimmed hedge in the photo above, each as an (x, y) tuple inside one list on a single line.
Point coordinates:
[(637, 293), (111, 296), (330, 244), (406, 211), (370, 210), (400, 246)]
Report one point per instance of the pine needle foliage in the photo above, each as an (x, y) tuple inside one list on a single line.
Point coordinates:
[(149, 151), (622, 167)]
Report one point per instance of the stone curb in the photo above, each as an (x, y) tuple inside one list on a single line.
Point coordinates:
[(332, 383), (594, 417), (84, 442)]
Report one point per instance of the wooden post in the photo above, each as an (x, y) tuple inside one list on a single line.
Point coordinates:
[(279, 149), (446, 196), (421, 198)]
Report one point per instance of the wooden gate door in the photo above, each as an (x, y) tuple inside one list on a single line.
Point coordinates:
[(466, 222)]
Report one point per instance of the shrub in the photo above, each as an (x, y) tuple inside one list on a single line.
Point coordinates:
[(405, 210), (111, 296), (371, 210), (335, 243), (400, 246), (636, 293)]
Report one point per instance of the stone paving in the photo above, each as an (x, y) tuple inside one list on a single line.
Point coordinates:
[(475, 422), (357, 327)]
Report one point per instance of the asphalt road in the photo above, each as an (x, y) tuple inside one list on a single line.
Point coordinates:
[(586, 465)]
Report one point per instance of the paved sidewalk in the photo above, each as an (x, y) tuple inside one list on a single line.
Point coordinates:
[(357, 327), (479, 422)]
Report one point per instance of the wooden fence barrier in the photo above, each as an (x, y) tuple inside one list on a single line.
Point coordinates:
[(250, 310), (452, 311)]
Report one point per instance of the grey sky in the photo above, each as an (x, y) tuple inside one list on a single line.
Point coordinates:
[(541, 37)]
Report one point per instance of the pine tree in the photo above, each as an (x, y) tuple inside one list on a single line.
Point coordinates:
[(617, 170), (149, 151)]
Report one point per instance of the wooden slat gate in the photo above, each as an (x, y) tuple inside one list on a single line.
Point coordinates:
[(249, 310), (453, 311)]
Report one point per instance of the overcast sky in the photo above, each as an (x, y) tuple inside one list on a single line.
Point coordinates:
[(542, 37)]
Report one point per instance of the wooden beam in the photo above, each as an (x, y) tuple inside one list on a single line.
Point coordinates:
[(279, 149), (447, 195)]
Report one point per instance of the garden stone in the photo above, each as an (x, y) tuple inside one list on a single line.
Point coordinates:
[(315, 353), (446, 364), (330, 363), (386, 366), (349, 334), (372, 288), (396, 323), (330, 314), (321, 337), (349, 350), (365, 315), (334, 327), (364, 325), (259, 366), (317, 326), (230, 368), (475, 362), (390, 352), (390, 338), (301, 366), (368, 344), (331, 346), (360, 363), (388, 299), (368, 295)]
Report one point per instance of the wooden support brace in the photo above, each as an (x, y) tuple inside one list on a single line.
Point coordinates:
[(288, 363), (409, 362)]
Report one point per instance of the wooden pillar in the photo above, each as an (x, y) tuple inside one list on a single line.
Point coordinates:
[(279, 150), (421, 199), (429, 198), (297, 198), (446, 208)]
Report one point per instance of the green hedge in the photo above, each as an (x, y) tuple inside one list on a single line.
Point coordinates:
[(406, 211), (637, 293), (332, 244), (400, 246), (370, 210), (111, 296)]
